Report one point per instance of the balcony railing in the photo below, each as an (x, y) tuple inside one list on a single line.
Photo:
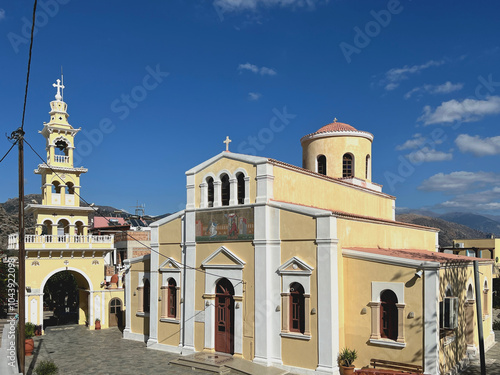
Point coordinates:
[(29, 239), (61, 159)]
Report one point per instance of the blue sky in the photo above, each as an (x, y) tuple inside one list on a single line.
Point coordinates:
[(171, 79)]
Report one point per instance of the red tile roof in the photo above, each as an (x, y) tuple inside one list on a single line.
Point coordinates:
[(103, 222), (336, 127), (421, 255)]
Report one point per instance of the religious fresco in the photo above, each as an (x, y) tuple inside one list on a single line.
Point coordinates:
[(223, 225)]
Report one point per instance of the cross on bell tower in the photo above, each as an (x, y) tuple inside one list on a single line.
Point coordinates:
[(227, 142), (59, 87)]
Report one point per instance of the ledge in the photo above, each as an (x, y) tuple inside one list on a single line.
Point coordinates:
[(170, 320), (291, 335), (142, 314), (387, 342)]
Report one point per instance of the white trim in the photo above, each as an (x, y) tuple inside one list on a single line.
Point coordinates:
[(292, 335), (386, 259), (345, 133), (386, 342), (167, 219), (303, 267), (176, 266), (431, 321), (170, 320), (50, 274), (166, 348), (239, 264), (127, 335), (378, 287), (255, 160), (304, 210), (142, 258)]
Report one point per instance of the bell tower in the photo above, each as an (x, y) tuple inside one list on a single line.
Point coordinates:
[(60, 178)]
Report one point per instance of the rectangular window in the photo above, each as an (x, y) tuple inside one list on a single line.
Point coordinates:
[(448, 313)]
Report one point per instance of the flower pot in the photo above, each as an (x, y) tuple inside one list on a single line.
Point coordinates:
[(97, 325), (29, 345), (347, 370)]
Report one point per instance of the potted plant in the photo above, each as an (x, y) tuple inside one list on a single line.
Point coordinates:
[(346, 360), (46, 368), (98, 323), (29, 344)]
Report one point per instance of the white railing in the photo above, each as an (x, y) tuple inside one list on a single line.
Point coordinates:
[(61, 159), (13, 242)]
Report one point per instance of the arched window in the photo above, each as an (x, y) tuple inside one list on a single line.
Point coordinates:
[(347, 165), (172, 299), (61, 147), (210, 190), (486, 305), (322, 164), (470, 293), (367, 176), (241, 188), (297, 310), (62, 229), (145, 296), (70, 188), (388, 315), (225, 190), (79, 228), (56, 187)]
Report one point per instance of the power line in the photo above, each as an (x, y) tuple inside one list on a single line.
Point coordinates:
[(123, 231), (11, 147), (29, 64)]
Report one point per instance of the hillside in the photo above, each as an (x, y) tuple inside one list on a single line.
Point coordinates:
[(448, 230), (479, 222)]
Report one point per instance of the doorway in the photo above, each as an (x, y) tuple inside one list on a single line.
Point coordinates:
[(115, 313), (224, 317)]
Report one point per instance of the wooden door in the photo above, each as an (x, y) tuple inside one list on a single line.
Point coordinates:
[(224, 317), (115, 312)]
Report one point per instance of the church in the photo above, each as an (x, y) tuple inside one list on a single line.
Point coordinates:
[(285, 266)]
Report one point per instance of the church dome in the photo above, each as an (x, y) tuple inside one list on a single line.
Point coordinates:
[(338, 150)]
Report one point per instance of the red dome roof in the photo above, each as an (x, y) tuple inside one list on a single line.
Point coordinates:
[(336, 127)]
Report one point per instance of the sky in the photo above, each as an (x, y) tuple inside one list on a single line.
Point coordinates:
[(156, 86)]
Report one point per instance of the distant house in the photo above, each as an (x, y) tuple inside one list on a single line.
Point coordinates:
[(284, 266)]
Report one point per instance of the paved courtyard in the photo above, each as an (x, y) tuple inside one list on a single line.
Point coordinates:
[(77, 350)]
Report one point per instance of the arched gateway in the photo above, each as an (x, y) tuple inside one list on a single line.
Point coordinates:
[(61, 241)]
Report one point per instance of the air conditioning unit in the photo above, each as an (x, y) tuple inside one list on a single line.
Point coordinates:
[(448, 313), (459, 245)]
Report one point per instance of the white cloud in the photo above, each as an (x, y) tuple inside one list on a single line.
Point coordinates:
[(254, 96), (252, 5), (461, 181), (477, 201), (477, 145), (467, 110), (445, 88), (395, 75), (426, 154), (2, 14), (255, 69), (416, 141)]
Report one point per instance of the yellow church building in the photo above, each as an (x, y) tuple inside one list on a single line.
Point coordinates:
[(285, 266), (61, 241)]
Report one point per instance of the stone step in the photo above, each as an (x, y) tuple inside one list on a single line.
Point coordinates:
[(222, 370), (249, 368)]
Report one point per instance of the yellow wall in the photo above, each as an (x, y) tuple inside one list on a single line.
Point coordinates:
[(301, 188), (139, 324), (334, 149), (358, 277)]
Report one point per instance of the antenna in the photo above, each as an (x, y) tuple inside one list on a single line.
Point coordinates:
[(140, 209)]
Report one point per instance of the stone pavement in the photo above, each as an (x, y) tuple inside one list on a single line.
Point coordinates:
[(492, 360), (77, 350)]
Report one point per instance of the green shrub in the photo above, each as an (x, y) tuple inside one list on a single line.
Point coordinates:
[(29, 330), (46, 368), (347, 357)]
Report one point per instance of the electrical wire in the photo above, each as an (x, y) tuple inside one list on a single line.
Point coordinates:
[(29, 64), (11, 147), (126, 232)]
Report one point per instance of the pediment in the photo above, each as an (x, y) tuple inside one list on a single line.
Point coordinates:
[(170, 265), (223, 258), (295, 266)]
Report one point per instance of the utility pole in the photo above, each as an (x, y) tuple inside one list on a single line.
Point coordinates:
[(479, 317), (18, 135)]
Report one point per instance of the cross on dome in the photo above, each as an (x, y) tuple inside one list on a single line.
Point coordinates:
[(59, 89), (335, 119), (227, 142)]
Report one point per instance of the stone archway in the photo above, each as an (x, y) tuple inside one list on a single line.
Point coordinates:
[(72, 304)]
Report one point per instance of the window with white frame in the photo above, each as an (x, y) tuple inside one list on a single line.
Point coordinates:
[(295, 298), (170, 273)]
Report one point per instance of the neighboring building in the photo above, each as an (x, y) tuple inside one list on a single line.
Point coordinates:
[(284, 266), (62, 241), (486, 248)]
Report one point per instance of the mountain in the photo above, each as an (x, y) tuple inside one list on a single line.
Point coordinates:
[(418, 211), (448, 230), (479, 222)]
